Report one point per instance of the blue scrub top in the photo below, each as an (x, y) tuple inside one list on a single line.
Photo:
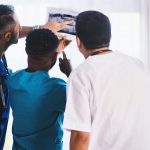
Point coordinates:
[(38, 105)]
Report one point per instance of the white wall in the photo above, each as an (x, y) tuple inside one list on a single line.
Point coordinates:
[(109, 5), (145, 30)]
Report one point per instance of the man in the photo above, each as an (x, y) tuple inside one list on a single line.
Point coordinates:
[(108, 95), (38, 100), (10, 31)]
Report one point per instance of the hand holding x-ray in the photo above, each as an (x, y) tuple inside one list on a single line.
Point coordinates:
[(56, 26), (63, 43), (63, 15)]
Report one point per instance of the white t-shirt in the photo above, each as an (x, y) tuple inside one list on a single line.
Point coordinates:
[(109, 96)]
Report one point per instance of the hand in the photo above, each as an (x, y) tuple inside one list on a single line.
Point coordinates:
[(56, 26), (65, 65), (63, 43)]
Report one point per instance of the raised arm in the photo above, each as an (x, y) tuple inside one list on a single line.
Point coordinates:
[(52, 25)]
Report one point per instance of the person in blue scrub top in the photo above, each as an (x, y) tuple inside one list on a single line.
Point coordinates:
[(10, 32), (37, 99)]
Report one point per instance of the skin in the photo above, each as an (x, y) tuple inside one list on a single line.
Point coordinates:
[(85, 52), (10, 35), (44, 63), (79, 140), (65, 65), (54, 26)]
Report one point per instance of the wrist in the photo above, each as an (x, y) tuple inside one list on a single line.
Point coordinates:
[(36, 27), (41, 26)]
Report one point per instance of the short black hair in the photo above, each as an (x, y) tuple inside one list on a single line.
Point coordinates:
[(41, 42), (6, 18), (93, 29)]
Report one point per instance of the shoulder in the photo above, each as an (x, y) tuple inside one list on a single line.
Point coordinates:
[(85, 71), (13, 75), (13, 78), (81, 77), (57, 81), (55, 85), (131, 59), (128, 62)]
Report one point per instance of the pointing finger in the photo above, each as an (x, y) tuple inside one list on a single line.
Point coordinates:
[(64, 55)]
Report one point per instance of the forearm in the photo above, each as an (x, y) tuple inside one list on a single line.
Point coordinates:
[(24, 31), (79, 142), (51, 25), (78, 145)]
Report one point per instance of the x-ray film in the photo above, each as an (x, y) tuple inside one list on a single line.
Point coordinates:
[(55, 14)]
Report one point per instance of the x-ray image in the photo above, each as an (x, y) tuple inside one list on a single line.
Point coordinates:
[(63, 15)]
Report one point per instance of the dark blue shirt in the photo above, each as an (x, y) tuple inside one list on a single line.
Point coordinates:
[(4, 101)]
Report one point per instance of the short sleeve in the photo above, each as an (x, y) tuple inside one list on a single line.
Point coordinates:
[(77, 113)]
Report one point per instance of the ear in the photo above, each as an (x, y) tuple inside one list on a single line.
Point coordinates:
[(54, 56), (7, 36), (78, 42)]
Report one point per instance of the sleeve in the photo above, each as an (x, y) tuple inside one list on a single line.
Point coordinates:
[(8, 79), (77, 113)]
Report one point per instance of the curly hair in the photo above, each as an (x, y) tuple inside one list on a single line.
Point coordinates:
[(41, 42)]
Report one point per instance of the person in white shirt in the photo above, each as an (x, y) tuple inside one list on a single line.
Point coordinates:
[(108, 95)]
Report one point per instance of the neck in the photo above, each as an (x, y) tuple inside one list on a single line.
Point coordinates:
[(37, 65), (33, 69), (100, 50)]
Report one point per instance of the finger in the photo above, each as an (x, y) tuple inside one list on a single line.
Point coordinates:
[(67, 42), (64, 26), (68, 22), (62, 39), (60, 60), (64, 55), (59, 51), (60, 36)]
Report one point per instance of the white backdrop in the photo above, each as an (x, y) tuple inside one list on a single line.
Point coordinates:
[(129, 31)]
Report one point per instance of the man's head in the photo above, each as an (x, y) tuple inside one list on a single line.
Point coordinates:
[(41, 48), (9, 25), (93, 30)]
